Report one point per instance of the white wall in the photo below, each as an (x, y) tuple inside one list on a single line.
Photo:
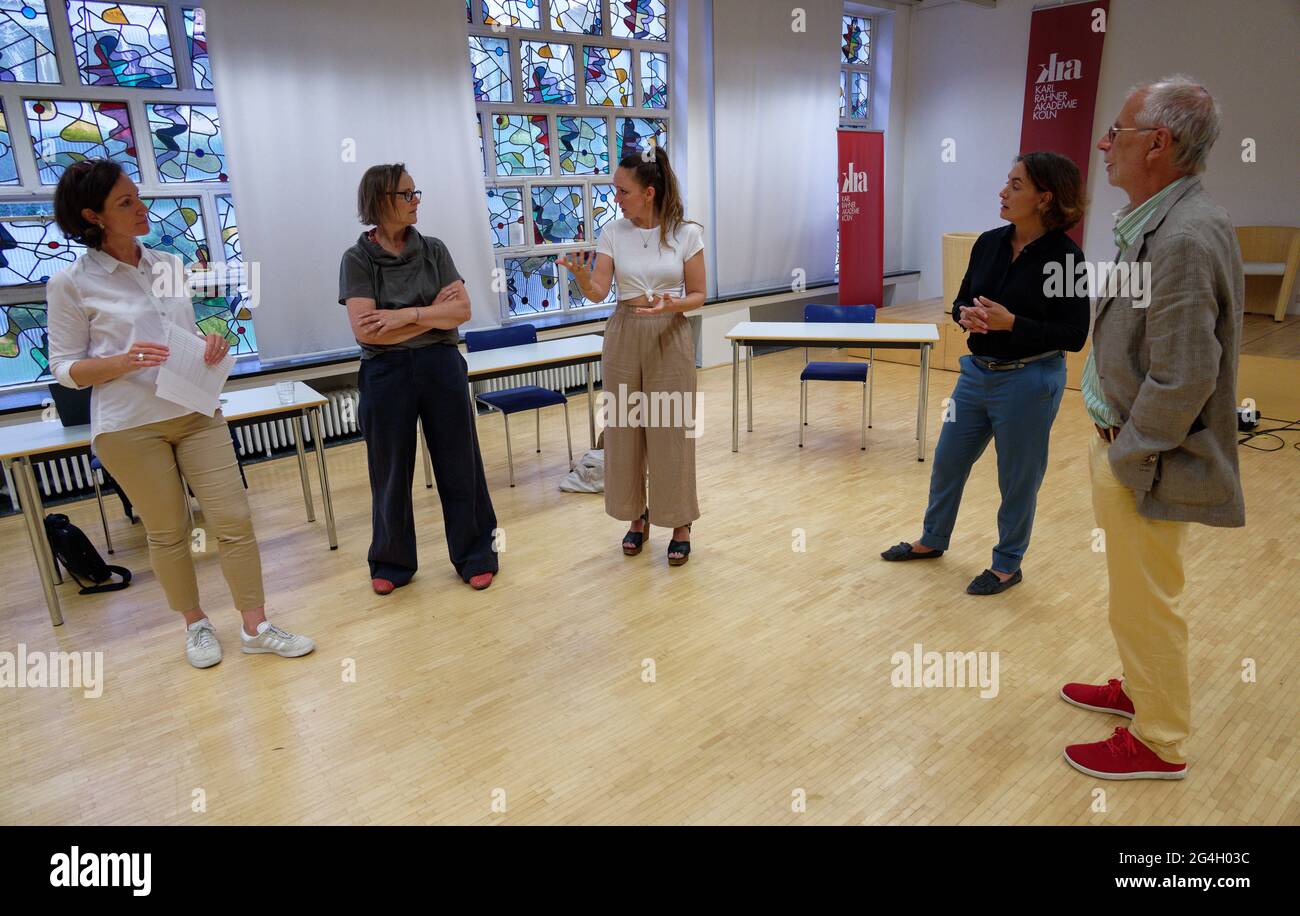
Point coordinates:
[(966, 76)]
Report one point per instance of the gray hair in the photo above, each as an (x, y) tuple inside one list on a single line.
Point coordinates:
[(1190, 113)]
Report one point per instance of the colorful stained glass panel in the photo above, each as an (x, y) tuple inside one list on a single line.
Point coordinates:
[(603, 208), (24, 344), (584, 145), (523, 14), (229, 230), (576, 16), (531, 285), (546, 69), (196, 37), (8, 166), (859, 95), (489, 67), (654, 79), (634, 134), (643, 19), (26, 46), (32, 249), (229, 317), (176, 226), (557, 214), (523, 144), (64, 132), (608, 72), (122, 44), (855, 43), (506, 215), (187, 142)]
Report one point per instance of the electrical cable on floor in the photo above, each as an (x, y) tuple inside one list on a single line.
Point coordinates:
[(1292, 426)]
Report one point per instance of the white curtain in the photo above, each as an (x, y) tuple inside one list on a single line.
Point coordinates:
[(776, 111), (301, 86)]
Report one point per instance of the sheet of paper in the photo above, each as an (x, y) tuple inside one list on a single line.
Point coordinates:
[(185, 379)]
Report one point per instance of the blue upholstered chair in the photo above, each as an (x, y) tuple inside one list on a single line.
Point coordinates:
[(855, 371), (524, 397)]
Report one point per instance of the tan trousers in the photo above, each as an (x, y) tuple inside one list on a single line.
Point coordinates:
[(649, 363), (147, 462), (1144, 560)]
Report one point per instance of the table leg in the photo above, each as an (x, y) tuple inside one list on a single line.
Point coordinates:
[(298, 434), (749, 388), (735, 395), (34, 519), (923, 402), (591, 406), (319, 442)]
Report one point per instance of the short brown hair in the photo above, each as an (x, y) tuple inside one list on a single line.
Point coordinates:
[(377, 185), (1059, 175), (84, 185)]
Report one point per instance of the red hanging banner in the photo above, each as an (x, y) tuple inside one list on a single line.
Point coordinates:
[(1061, 83), (862, 217)]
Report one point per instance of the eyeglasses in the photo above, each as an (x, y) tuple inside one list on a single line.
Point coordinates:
[(1110, 134), (407, 196)]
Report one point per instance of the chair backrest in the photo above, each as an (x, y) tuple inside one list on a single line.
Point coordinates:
[(73, 404), (825, 312), (1267, 243), (512, 335)]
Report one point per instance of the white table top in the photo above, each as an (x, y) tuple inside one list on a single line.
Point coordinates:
[(541, 353), (39, 436), (837, 332)]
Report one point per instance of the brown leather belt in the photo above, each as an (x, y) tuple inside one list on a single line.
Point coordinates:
[(1107, 433)]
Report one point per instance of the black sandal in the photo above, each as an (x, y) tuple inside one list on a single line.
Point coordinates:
[(682, 547), (904, 551), (634, 540)]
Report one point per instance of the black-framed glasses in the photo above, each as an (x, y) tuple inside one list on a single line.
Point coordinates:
[(407, 196)]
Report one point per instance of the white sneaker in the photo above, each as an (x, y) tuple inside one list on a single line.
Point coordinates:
[(271, 638), (201, 646)]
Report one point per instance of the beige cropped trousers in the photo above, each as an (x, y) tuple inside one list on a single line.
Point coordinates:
[(650, 406)]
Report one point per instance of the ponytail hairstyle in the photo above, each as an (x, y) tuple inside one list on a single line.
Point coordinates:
[(653, 170), (84, 185)]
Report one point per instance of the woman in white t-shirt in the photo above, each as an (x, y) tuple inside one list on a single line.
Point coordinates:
[(648, 365)]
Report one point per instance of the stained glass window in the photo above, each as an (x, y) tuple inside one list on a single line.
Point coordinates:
[(546, 69), (644, 19), (634, 134), (26, 46), (24, 344), (525, 14), (609, 76), (197, 39), (859, 95), (64, 132), (531, 285), (489, 66), (654, 79), (844, 106), (122, 44), (229, 317), (469, 13), (576, 16), (558, 214), (578, 300), (187, 142), (584, 145), (523, 144), (603, 209), (506, 215), (32, 249), (856, 40), (8, 166), (176, 225), (229, 229)]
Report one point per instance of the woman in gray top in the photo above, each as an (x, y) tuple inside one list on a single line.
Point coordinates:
[(405, 301)]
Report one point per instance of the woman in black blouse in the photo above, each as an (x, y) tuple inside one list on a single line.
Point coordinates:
[(1018, 302)]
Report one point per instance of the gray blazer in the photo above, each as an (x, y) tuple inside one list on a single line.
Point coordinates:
[(1170, 369)]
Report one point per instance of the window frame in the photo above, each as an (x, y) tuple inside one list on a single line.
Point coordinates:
[(868, 69)]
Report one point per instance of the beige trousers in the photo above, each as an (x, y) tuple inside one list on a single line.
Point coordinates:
[(1144, 560), (147, 462), (649, 397)]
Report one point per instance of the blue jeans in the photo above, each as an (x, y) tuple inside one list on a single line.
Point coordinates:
[(1015, 408)]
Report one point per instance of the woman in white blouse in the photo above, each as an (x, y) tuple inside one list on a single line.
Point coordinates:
[(109, 315), (648, 364)]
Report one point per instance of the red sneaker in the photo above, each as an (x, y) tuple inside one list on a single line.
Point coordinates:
[(481, 581), (1108, 698), (382, 586), (1121, 757)]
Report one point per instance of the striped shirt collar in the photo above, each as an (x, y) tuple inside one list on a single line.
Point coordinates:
[(1129, 221)]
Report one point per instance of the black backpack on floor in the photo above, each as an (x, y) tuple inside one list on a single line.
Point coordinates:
[(73, 550)]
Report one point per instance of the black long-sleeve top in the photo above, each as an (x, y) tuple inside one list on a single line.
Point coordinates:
[(1048, 317)]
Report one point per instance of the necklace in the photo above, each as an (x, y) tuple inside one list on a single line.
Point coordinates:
[(645, 240)]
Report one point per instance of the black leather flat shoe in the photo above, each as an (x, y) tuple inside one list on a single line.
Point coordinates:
[(904, 551), (988, 583)]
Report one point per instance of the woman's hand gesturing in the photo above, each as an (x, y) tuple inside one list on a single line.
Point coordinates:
[(580, 264), (143, 355)]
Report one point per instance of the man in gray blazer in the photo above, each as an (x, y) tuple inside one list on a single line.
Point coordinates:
[(1160, 386)]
